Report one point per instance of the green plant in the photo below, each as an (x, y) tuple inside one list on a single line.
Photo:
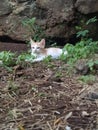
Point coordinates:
[(82, 33), (87, 79), (92, 20), (91, 63), (51, 65), (47, 60), (24, 57), (85, 48), (41, 94), (34, 89), (7, 58), (14, 113), (82, 49), (35, 30), (58, 74)]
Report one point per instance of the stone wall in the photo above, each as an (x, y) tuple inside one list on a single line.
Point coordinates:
[(57, 17)]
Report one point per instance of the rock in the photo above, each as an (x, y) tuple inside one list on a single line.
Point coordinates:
[(92, 95), (82, 67), (87, 6), (5, 8), (52, 16), (57, 18)]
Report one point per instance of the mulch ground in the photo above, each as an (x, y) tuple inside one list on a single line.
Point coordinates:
[(43, 96)]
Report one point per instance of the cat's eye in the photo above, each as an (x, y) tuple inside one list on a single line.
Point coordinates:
[(38, 47), (32, 47)]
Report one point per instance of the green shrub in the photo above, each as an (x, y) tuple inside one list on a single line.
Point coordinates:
[(24, 57), (85, 48), (7, 58), (87, 78)]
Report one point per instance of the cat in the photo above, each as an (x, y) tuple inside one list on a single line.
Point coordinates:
[(40, 52)]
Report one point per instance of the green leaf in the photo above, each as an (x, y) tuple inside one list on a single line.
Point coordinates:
[(92, 20), (82, 33)]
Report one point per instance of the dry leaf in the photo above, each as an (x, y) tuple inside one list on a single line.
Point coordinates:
[(68, 115), (56, 122), (21, 127)]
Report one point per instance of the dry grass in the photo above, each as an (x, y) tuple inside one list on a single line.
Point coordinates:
[(43, 97)]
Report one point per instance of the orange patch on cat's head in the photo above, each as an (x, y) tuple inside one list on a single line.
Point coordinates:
[(41, 44)]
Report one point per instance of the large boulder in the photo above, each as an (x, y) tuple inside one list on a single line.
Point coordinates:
[(58, 13)]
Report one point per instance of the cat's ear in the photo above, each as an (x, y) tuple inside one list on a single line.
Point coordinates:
[(42, 42), (31, 41)]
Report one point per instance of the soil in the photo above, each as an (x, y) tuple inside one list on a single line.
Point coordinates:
[(13, 47), (47, 96)]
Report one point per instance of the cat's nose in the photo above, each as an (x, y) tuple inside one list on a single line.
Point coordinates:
[(35, 50)]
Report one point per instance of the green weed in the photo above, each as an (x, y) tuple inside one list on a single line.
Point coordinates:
[(87, 79), (35, 30), (58, 74), (41, 94), (34, 89), (24, 57), (47, 60), (92, 20), (91, 63), (7, 58), (50, 65), (85, 48)]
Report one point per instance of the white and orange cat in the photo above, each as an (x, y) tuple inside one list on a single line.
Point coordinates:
[(40, 52)]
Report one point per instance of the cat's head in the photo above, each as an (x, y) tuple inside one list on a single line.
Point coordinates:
[(36, 47)]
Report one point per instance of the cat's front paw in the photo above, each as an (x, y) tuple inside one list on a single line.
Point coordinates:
[(36, 60), (29, 60)]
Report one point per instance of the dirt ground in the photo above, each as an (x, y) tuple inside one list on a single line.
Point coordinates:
[(43, 96)]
